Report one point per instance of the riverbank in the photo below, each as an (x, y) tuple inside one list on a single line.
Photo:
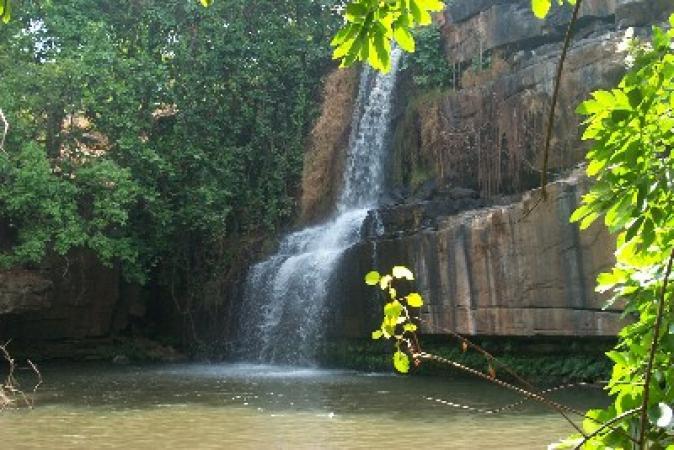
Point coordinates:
[(539, 360)]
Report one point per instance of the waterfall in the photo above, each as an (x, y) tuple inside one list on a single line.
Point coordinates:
[(285, 295)]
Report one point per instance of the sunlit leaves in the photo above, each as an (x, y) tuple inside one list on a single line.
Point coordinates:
[(371, 27), (397, 322), (631, 162), (5, 10), (541, 7), (385, 281)]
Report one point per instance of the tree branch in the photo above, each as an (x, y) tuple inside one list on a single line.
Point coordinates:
[(533, 396), (5, 124), (651, 355), (605, 425), (555, 96)]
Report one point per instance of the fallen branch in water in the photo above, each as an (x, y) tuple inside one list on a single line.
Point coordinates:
[(11, 394)]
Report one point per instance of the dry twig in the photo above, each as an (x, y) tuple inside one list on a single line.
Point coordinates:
[(555, 96), (10, 390)]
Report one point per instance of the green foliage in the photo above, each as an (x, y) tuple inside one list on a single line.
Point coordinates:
[(155, 132), (397, 323), (5, 10), (372, 25), (428, 64), (632, 128)]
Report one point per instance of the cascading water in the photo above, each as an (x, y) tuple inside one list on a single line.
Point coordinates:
[(285, 295)]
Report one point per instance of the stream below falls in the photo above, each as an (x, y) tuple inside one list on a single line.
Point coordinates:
[(228, 406)]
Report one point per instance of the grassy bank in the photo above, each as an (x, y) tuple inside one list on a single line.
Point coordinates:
[(540, 360)]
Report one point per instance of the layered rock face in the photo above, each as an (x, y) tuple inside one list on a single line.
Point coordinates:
[(75, 298), (518, 269), (486, 131)]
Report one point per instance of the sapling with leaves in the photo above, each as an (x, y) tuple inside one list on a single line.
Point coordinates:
[(397, 322)]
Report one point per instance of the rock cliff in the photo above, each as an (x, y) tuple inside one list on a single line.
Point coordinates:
[(486, 130), (463, 209), (73, 298)]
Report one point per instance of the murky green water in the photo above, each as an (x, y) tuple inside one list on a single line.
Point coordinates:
[(262, 407)]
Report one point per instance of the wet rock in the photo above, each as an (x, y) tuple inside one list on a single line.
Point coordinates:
[(121, 360)]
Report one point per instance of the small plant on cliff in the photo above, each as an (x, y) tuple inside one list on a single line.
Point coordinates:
[(428, 64)]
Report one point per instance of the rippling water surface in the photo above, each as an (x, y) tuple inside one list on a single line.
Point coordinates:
[(271, 407)]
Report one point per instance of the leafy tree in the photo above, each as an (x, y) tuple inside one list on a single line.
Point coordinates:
[(632, 129), (155, 132)]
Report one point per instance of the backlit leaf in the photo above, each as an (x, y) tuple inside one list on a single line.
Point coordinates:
[(401, 362), (404, 38), (385, 282), (415, 300), (541, 7), (372, 278)]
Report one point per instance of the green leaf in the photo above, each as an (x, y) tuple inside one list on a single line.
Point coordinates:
[(595, 166), (377, 334), (404, 38), (372, 278), (661, 415), (355, 11), (415, 300), (541, 7), (588, 220), (393, 309), (6, 11), (579, 213), (206, 3), (401, 362)]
